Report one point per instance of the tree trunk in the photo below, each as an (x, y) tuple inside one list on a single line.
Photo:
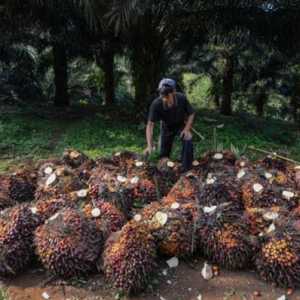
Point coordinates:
[(260, 103), (147, 71), (61, 75), (105, 60), (216, 99), (295, 101), (109, 78), (226, 106)]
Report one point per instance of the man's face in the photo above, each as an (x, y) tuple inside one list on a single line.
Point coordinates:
[(168, 98)]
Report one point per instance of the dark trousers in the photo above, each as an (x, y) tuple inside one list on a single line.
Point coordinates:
[(166, 142)]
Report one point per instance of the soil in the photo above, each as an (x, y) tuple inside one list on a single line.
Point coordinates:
[(182, 283)]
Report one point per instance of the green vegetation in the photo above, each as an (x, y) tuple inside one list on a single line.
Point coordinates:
[(3, 295), (23, 138)]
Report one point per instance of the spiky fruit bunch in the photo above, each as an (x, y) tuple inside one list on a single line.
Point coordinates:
[(243, 163), (185, 189), (296, 177), (261, 193), (171, 227), (279, 259), (271, 162), (44, 209), (68, 245), (17, 225), (74, 158), (112, 188), (221, 189), (129, 258), (260, 220), (5, 200), (18, 187), (107, 217), (168, 173), (213, 161), (125, 160), (59, 183), (224, 239), (144, 191)]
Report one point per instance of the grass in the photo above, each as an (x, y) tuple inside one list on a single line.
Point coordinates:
[(3, 295), (31, 138)]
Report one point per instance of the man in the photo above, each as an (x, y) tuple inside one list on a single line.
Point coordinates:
[(177, 116)]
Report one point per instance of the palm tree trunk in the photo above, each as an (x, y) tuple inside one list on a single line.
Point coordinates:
[(260, 103), (226, 105), (62, 98), (109, 78)]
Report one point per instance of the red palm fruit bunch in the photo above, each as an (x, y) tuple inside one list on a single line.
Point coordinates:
[(17, 225), (262, 193), (243, 163), (144, 190), (260, 219), (68, 244), (296, 177), (125, 160), (44, 209), (219, 189), (19, 186), (168, 173), (185, 189), (107, 217), (278, 260), (283, 171), (80, 162), (129, 258), (74, 158), (213, 161), (172, 228), (59, 183), (5, 200), (224, 238), (112, 188)]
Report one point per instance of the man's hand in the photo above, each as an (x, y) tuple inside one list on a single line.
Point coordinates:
[(186, 134), (148, 151)]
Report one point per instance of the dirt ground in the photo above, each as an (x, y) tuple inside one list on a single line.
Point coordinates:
[(182, 283)]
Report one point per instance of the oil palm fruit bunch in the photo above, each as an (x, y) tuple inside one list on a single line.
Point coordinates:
[(44, 209), (17, 225), (168, 173), (224, 238), (222, 188), (129, 258), (261, 193), (271, 162), (5, 200), (112, 188), (185, 189), (213, 161), (278, 260), (74, 158), (260, 220), (59, 182), (296, 177), (68, 244), (144, 190), (107, 217), (19, 186), (125, 160), (172, 228)]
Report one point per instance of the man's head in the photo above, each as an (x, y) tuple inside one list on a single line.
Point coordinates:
[(167, 88)]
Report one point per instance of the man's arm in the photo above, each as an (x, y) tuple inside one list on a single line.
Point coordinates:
[(149, 137), (189, 123)]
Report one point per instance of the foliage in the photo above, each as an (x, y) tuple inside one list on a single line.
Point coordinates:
[(100, 135)]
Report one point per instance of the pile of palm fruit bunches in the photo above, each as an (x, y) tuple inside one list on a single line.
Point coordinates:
[(118, 216)]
